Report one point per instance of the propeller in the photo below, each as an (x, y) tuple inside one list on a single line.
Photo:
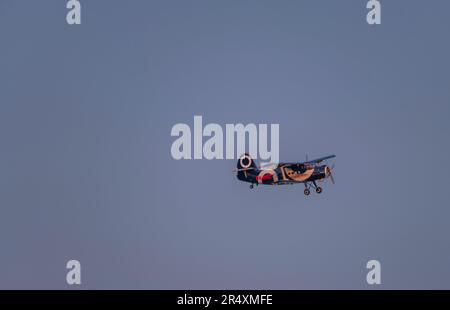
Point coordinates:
[(329, 173), (332, 178)]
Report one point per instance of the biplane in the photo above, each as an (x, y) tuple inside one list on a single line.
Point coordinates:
[(309, 173)]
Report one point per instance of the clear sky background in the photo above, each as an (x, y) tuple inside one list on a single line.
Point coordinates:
[(85, 166)]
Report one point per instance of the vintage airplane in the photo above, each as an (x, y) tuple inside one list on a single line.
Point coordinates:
[(308, 173)]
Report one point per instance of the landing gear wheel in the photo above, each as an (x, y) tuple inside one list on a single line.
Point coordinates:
[(318, 189), (306, 191), (251, 186)]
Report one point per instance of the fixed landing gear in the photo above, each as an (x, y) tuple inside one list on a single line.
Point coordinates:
[(308, 186), (253, 185)]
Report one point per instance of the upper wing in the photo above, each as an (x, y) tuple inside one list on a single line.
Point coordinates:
[(318, 160), (314, 161)]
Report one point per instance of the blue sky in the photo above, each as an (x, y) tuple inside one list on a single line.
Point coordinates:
[(85, 118)]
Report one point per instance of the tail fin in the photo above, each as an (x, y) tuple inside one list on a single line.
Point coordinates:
[(246, 162), (245, 166)]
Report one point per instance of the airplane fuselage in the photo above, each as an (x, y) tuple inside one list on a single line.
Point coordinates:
[(307, 172), (284, 174)]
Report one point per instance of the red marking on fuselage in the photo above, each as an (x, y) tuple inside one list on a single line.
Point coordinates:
[(265, 177)]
